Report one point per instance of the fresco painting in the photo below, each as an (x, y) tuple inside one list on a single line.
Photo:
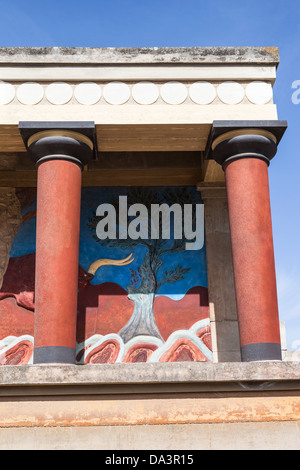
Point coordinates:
[(139, 300)]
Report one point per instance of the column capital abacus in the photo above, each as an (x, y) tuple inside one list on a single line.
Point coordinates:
[(70, 141), (232, 140)]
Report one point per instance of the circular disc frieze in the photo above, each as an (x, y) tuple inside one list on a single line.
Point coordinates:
[(87, 93), (202, 92), (30, 93), (231, 92), (145, 93), (174, 92), (259, 92), (59, 93), (7, 93), (116, 93)]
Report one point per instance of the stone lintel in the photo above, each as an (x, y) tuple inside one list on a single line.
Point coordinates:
[(140, 55)]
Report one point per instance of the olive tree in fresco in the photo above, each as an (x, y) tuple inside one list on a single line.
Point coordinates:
[(148, 278)]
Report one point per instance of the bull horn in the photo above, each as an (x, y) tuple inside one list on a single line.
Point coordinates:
[(106, 262)]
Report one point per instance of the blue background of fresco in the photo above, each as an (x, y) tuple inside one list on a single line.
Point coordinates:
[(90, 250)]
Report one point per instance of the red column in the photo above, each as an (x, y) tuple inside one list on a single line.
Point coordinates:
[(253, 258), (245, 152), (60, 151), (57, 247)]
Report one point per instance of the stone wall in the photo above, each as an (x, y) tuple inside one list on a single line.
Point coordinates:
[(151, 406), (10, 220), (223, 313)]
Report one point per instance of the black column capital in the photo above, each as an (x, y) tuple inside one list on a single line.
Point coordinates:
[(71, 141), (232, 140)]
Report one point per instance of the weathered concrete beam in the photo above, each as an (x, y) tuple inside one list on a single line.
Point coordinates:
[(140, 55), (151, 374)]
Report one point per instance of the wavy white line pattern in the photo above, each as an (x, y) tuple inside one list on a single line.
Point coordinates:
[(16, 350), (94, 344), (182, 334), (110, 348), (97, 349)]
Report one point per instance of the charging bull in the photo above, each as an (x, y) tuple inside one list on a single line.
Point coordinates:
[(19, 279), (101, 307)]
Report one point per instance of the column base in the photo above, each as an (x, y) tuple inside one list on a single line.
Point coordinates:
[(261, 352), (54, 355)]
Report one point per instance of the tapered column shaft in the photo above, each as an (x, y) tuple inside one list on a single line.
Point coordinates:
[(253, 258), (245, 149), (60, 151), (57, 247)]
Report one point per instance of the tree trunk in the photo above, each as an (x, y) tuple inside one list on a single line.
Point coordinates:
[(142, 321)]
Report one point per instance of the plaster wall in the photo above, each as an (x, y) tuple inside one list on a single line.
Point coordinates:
[(229, 436), (223, 314)]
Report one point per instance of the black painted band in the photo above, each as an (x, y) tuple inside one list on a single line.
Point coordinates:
[(261, 352), (54, 355), (245, 155), (59, 157)]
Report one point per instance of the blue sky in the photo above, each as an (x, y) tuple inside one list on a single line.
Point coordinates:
[(190, 23)]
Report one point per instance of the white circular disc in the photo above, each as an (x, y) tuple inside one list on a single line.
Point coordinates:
[(259, 92), (7, 92), (59, 93), (30, 93), (87, 93), (174, 92), (202, 92), (116, 93), (231, 92), (145, 93)]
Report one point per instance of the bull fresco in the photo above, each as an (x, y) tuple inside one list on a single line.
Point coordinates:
[(139, 299)]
